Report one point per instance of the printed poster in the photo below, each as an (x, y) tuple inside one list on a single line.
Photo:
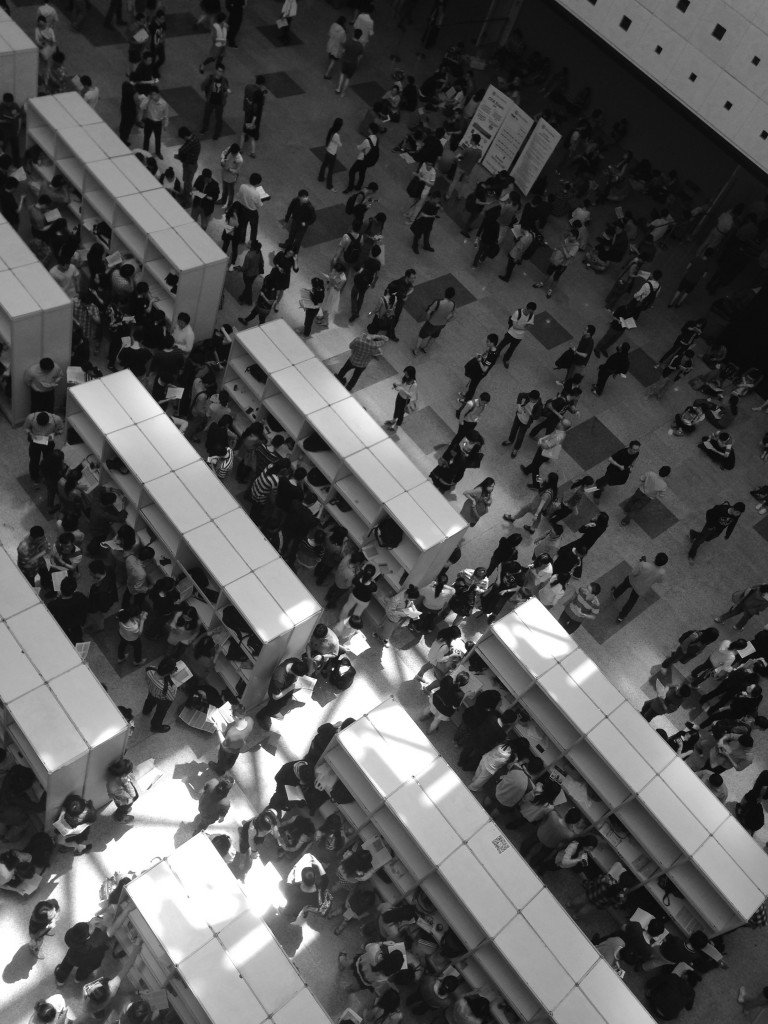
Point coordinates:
[(508, 141), (537, 150)]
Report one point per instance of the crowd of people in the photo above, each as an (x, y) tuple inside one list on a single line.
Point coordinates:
[(122, 587)]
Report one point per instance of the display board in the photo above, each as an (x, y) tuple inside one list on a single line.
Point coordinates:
[(538, 148), (488, 118), (509, 140)]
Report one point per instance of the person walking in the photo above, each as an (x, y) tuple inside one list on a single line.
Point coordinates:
[(518, 323), (161, 693), (254, 98), (334, 48), (640, 581), (42, 922), (367, 156), (618, 469), (334, 286), (616, 365), (299, 216), (549, 449), (155, 113), (252, 268), (746, 603), (350, 59), (558, 262), (235, 11), (719, 519), (576, 357), (232, 740), (527, 409), (405, 401), (421, 228), (213, 805), (583, 607), (218, 50), (478, 367), (621, 321), (332, 146), (362, 349), (121, 787), (41, 428), (652, 487), (436, 316), (215, 90), (365, 278), (469, 416), (690, 645)]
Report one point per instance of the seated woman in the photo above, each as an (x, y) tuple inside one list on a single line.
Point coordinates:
[(719, 448), (686, 421), (305, 888)]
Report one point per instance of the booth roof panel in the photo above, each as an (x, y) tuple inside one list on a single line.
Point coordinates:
[(588, 676), (536, 652), (212, 888), (14, 297), (172, 918), (141, 458), (101, 406), (302, 1009), (168, 440), (111, 145), (16, 595), (504, 864), (261, 349), (48, 729), (450, 794), (408, 747), (216, 501), (261, 961), (221, 992), (246, 538), (398, 464), (361, 422), (174, 500), (288, 590), (443, 515), (88, 704), (131, 394), (562, 936), (41, 287), (259, 607), (217, 556), (287, 341), (51, 658), (135, 171), (80, 111), (436, 837), (479, 893), (19, 675)]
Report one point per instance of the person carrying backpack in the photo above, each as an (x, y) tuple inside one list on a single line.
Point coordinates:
[(646, 294), (436, 317), (350, 251), (367, 156)]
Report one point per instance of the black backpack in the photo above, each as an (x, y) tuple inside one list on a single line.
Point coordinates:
[(353, 251), (372, 156), (352, 202)]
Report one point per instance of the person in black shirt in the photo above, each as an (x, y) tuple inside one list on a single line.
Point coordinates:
[(615, 365), (70, 609), (719, 519), (618, 469)]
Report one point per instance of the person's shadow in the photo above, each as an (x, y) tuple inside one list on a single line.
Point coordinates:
[(20, 966), (192, 773)]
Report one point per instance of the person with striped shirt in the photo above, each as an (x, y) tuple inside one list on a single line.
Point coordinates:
[(161, 693), (583, 607), (264, 487)]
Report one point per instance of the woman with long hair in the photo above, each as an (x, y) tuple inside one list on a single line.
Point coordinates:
[(332, 146), (537, 506), (478, 501)]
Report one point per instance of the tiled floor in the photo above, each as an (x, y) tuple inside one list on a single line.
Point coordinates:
[(689, 596)]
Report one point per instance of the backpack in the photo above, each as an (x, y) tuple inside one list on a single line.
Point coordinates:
[(353, 251), (649, 300), (388, 533), (372, 156), (352, 202)]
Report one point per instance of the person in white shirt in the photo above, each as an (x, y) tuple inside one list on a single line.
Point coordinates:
[(364, 22), (183, 335), (90, 92), (66, 277)]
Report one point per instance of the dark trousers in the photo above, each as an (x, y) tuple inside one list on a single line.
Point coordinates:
[(631, 601), (356, 298), (421, 229), (41, 570), (122, 649), (225, 760), (246, 219), (702, 537), (356, 176), (464, 429), (188, 172), (35, 454), (327, 168), (42, 401), (246, 299), (127, 121), (401, 404), (602, 379), (569, 625), (517, 433), (153, 129), (356, 372), (217, 109), (309, 319), (609, 339), (159, 707), (473, 383), (507, 346), (115, 11), (535, 464), (234, 21), (296, 232), (63, 970), (545, 425)]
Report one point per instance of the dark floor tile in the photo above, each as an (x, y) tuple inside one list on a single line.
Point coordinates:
[(427, 429), (654, 518), (641, 367), (540, 258), (273, 34), (605, 625), (762, 527), (188, 104), (319, 152), (369, 92), (98, 34), (281, 85), (590, 443), (38, 496), (426, 292), (548, 331), (375, 372), (331, 223), (181, 23)]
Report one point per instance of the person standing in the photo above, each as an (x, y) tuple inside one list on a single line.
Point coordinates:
[(367, 156), (719, 519), (364, 22), (312, 303), (31, 558), (254, 97), (467, 161), (398, 611), (558, 261), (215, 90), (752, 601), (155, 113), (619, 320), (575, 358), (640, 581), (478, 367), (424, 222), (213, 805), (121, 787), (188, 155), (247, 206), (618, 469), (232, 740), (518, 323), (527, 409), (332, 146), (70, 609), (437, 315), (550, 447), (86, 947), (469, 416), (235, 10), (231, 161), (350, 59), (616, 365), (42, 922), (362, 350), (161, 693), (10, 126), (405, 401), (41, 428), (399, 290), (652, 486), (298, 217), (42, 379), (364, 279)]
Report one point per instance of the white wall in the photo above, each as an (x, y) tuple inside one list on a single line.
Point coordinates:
[(718, 79)]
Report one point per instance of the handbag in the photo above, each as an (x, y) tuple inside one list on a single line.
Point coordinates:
[(282, 23), (415, 187), (474, 459)]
